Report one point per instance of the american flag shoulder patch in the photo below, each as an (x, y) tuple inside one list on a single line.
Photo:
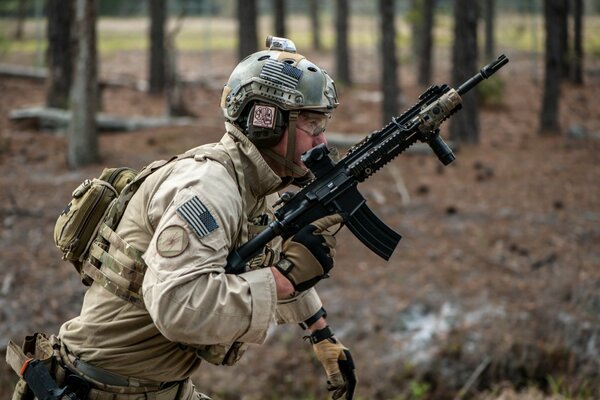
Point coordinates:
[(197, 216)]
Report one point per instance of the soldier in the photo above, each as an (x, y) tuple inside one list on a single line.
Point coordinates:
[(161, 302)]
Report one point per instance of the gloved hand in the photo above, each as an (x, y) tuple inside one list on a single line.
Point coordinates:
[(308, 255), (338, 363)]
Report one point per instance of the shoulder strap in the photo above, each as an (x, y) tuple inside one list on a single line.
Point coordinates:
[(116, 211)]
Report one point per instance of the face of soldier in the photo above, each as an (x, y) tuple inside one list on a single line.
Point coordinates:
[(310, 132)]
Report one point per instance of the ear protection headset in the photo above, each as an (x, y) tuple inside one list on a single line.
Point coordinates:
[(265, 124)]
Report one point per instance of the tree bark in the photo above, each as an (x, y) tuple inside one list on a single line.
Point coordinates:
[(59, 54), (279, 17), (490, 19), (464, 126), (554, 11), (157, 61), (388, 60), (247, 29), (82, 140), (175, 104), (315, 24), (577, 65), (426, 42), (342, 50), (415, 18), (563, 26)]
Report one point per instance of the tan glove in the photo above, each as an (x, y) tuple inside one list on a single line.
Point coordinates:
[(338, 364), (308, 255)]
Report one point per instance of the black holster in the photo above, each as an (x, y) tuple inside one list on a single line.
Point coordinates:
[(38, 365), (44, 387)]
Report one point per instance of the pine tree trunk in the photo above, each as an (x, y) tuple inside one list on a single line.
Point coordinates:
[(247, 30), (342, 50), (174, 95), (416, 25), (174, 88), (83, 143), (279, 17), (563, 26), (426, 40), (388, 60), (554, 11), (464, 126), (59, 54), (315, 24), (490, 40), (577, 66), (157, 66)]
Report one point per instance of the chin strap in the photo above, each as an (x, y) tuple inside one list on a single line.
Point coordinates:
[(291, 142), (291, 168)]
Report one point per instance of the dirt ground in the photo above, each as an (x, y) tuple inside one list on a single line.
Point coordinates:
[(497, 272)]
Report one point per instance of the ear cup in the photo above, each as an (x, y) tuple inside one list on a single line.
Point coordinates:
[(265, 125)]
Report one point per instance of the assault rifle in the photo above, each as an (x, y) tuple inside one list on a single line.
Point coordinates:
[(334, 187)]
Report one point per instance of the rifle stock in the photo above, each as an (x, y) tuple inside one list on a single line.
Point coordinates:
[(334, 187)]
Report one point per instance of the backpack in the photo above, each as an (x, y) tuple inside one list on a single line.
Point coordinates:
[(77, 225)]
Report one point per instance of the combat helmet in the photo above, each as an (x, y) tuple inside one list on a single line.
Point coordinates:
[(267, 90)]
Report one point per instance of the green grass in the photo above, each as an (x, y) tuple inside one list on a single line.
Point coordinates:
[(111, 43), (188, 41)]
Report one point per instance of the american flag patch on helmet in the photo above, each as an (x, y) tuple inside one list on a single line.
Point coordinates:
[(197, 216), (282, 73)]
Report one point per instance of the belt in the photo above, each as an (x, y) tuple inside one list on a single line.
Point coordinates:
[(118, 387), (105, 384), (100, 374), (111, 381)]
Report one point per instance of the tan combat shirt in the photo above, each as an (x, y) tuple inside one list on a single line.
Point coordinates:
[(188, 298)]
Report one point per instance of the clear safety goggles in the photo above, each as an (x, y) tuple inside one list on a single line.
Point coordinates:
[(312, 123)]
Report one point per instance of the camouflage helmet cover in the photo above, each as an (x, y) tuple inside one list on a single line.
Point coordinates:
[(281, 77)]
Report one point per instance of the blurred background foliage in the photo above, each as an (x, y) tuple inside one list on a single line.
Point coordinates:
[(520, 21)]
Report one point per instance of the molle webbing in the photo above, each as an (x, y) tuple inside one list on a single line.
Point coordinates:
[(135, 276), (112, 286), (133, 272), (130, 269), (101, 262)]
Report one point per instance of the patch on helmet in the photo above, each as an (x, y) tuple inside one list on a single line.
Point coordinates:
[(263, 116), (172, 241), (281, 73)]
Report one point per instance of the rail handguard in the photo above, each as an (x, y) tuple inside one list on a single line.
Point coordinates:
[(334, 187)]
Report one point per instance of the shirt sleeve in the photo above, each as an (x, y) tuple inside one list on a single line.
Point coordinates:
[(186, 292), (298, 309)]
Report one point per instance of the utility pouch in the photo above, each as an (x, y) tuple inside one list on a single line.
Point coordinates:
[(78, 224), (36, 346)]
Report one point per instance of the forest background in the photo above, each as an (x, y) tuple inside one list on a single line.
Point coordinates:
[(494, 290)]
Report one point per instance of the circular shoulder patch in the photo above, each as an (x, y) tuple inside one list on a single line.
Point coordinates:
[(172, 241)]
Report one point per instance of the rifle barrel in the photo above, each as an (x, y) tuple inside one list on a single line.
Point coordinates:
[(485, 73)]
